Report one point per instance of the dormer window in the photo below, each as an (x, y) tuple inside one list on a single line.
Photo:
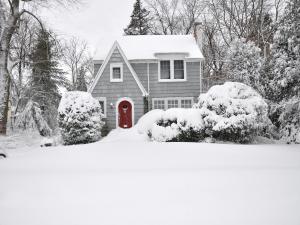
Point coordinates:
[(116, 72), (172, 70)]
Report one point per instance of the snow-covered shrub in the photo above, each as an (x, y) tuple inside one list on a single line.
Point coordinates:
[(31, 119), (289, 121), (176, 125), (146, 122), (233, 112), (244, 63), (79, 118)]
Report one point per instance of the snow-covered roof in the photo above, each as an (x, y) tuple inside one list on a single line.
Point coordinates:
[(146, 47)]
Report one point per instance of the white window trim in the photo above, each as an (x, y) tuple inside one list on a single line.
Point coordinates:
[(172, 79), (116, 65), (105, 105), (172, 98)]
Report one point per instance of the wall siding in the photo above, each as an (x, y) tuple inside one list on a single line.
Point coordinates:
[(114, 91), (188, 88)]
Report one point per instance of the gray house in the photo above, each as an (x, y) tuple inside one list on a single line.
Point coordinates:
[(146, 72)]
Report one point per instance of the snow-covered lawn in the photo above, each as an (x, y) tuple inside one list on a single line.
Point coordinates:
[(133, 182)]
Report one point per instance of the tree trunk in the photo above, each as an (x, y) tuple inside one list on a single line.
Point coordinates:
[(5, 38), (4, 93)]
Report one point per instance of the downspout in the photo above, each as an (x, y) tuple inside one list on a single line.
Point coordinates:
[(148, 86)]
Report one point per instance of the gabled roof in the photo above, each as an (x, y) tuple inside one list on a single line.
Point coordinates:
[(101, 70), (146, 47)]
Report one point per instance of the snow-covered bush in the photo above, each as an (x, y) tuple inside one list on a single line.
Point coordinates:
[(79, 118), (289, 121), (175, 125), (244, 63), (31, 119), (233, 112), (146, 122)]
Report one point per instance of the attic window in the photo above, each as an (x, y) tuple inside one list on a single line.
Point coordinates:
[(172, 70), (116, 72)]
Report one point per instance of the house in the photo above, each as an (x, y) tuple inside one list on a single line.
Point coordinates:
[(147, 72)]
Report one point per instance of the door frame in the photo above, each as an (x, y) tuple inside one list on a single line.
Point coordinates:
[(117, 110)]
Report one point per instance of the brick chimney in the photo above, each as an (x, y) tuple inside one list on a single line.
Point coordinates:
[(198, 34)]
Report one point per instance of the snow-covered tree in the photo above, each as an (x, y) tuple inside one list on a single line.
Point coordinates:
[(139, 24), (46, 77), (285, 55), (81, 82), (31, 118), (244, 63), (234, 112), (79, 118)]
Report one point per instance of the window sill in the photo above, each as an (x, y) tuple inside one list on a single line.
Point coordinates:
[(116, 81), (171, 80)]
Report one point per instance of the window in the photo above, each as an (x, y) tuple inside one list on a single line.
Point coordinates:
[(116, 72), (102, 102), (172, 103), (172, 70), (178, 69), (186, 103), (158, 104), (175, 102), (165, 70)]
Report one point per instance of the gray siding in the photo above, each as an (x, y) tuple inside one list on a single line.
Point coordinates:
[(188, 88), (114, 91), (96, 68), (142, 73)]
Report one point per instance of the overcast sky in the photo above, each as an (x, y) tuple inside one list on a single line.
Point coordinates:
[(99, 22)]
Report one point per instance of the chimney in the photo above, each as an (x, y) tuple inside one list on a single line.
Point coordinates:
[(198, 34)]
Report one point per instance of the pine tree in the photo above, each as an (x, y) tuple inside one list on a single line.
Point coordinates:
[(139, 24), (46, 77), (285, 53), (80, 82)]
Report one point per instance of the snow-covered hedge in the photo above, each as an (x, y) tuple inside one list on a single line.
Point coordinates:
[(79, 118), (230, 112), (234, 112), (172, 125)]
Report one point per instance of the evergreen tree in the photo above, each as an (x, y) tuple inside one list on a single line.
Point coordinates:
[(285, 53), (80, 82), (46, 77), (139, 24), (244, 63)]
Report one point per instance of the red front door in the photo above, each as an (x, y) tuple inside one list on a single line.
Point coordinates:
[(125, 114)]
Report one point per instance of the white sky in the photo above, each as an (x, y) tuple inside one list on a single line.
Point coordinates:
[(99, 22)]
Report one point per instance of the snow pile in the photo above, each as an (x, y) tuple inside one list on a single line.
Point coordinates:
[(80, 118), (233, 112), (171, 125)]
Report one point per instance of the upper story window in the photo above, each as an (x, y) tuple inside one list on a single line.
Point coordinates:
[(116, 72), (172, 70)]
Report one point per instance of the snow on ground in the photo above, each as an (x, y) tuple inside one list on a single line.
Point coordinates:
[(125, 181)]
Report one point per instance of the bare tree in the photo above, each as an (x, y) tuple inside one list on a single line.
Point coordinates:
[(12, 11), (76, 58)]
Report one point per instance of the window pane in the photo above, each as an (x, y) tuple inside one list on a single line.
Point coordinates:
[(172, 103), (186, 103), (165, 70), (159, 104), (116, 73), (102, 106), (178, 69)]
